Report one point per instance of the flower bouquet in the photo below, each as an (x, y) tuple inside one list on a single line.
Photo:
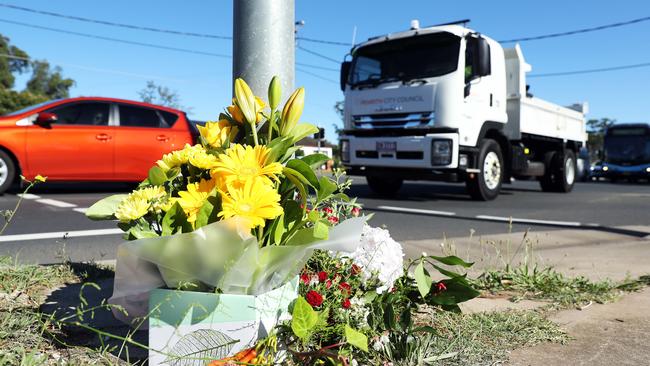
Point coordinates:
[(219, 231)]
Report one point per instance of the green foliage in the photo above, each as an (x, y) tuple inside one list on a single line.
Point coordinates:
[(356, 338), (48, 82), (160, 95), (595, 135), (304, 319), (105, 208)]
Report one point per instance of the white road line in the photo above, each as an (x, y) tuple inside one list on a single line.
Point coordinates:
[(528, 221), (28, 196), (81, 209), (417, 210), (59, 235), (56, 203)]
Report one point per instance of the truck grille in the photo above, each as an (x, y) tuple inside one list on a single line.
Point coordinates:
[(393, 120)]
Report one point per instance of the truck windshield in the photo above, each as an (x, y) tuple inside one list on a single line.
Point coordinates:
[(405, 59), (627, 146)]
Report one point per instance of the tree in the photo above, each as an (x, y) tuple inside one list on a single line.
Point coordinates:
[(595, 135), (161, 95), (48, 82), (18, 63), (339, 108)]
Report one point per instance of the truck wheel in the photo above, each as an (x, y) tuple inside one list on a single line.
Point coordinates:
[(384, 186), (7, 171), (485, 186), (560, 173)]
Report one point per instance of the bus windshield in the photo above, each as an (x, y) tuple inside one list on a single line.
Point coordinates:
[(627, 146)]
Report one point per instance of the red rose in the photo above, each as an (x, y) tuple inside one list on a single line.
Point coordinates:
[(356, 211), (328, 284), (304, 278), (314, 298), (355, 269), (327, 210), (345, 287), (322, 276), (333, 220), (346, 303)]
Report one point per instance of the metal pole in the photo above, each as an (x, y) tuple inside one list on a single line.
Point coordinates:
[(264, 44)]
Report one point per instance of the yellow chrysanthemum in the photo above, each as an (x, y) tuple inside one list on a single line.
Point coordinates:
[(216, 134), (194, 197), (202, 159), (237, 114), (240, 164), (132, 208), (178, 157), (254, 203), (150, 194)]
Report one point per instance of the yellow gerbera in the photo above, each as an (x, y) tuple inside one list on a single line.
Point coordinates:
[(178, 157), (237, 114), (202, 159), (194, 197), (240, 164), (217, 134), (254, 203), (132, 208)]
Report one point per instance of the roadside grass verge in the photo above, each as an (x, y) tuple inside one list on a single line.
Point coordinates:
[(547, 284)]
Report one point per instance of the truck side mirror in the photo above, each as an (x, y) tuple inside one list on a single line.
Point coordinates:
[(482, 57), (345, 70)]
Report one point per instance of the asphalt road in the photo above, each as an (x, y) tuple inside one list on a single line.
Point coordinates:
[(50, 224)]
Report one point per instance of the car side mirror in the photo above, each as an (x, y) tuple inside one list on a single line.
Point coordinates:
[(45, 118), (345, 70), (482, 57)]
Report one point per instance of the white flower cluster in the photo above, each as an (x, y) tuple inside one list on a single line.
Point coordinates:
[(379, 255)]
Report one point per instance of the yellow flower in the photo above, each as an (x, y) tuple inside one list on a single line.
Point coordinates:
[(150, 194), (202, 160), (40, 178), (292, 111), (253, 203), (177, 158), (217, 134), (194, 197), (239, 165), (237, 114), (132, 208)]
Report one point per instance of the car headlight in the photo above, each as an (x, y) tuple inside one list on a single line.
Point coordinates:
[(345, 151), (647, 170), (441, 152), (605, 168)]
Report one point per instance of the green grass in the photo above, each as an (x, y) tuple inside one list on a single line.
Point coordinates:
[(549, 285)]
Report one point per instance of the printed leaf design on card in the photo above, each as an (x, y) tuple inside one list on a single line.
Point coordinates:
[(199, 347)]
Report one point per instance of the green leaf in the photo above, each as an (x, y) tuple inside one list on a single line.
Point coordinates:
[(450, 274), (306, 171), (425, 329), (356, 338), (405, 319), (315, 160), (173, 172), (105, 209), (327, 187), (157, 176), (452, 260), (175, 221), (302, 130), (422, 279), (321, 231), (289, 173), (289, 154), (389, 316), (302, 237), (313, 216), (207, 214), (303, 319), (278, 147), (279, 230), (457, 291)]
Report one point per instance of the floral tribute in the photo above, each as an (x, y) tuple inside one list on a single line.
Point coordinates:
[(238, 213)]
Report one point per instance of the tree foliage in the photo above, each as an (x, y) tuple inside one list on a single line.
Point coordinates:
[(160, 95), (596, 133), (44, 84)]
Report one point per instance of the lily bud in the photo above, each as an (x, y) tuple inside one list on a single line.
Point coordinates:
[(275, 92), (245, 100), (292, 111)]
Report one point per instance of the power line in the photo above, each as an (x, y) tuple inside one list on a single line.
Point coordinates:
[(323, 41), (118, 40), (577, 31), (590, 71), (317, 76), (113, 24), (317, 67), (319, 55)]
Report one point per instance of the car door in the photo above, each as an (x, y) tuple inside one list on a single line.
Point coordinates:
[(143, 136), (77, 146)]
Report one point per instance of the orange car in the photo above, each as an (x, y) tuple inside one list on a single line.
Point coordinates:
[(89, 139)]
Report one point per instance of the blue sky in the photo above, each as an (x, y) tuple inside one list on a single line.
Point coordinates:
[(203, 82)]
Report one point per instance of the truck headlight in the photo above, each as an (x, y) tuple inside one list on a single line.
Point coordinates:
[(441, 152), (345, 151), (647, 170)]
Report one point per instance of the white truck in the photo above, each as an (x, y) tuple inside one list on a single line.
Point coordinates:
[(447, 103)]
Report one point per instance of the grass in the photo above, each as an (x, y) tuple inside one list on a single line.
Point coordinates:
[(28, 337), (547, 284)]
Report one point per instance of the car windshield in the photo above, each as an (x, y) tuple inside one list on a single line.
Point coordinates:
[(406, 59), (627, 146), (27, 109)]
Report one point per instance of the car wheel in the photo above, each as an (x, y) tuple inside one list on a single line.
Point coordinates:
[(485, 185), (384, 186), (7, 171)]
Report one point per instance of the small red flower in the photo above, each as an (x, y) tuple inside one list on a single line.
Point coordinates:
[(314, 298), (328, 210), (346, 303), (328, 284), (356, 211), (322, 276), (345, 287), (333, 220), (440, 286), (355, 269), (304, 278)]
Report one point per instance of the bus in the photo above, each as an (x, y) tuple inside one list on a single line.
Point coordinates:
[(626, 152)]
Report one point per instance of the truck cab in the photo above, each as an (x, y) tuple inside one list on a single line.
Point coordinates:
[(435, 104)]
